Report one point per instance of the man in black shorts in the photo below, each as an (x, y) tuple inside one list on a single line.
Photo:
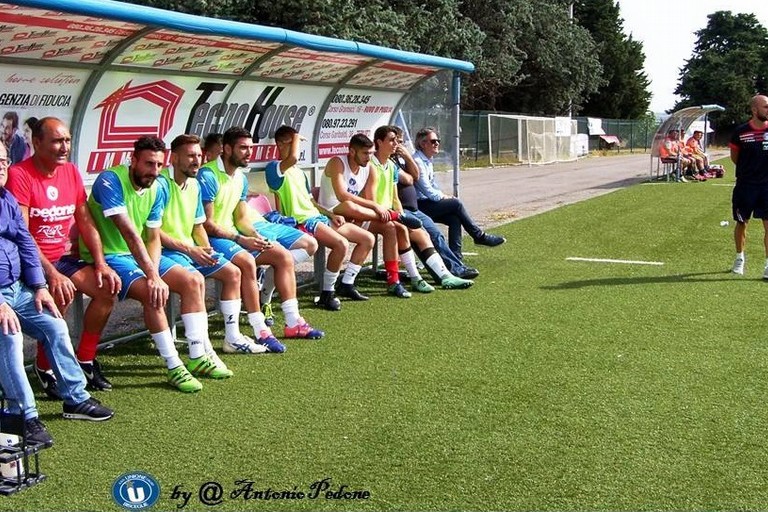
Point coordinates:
[(749, 151)]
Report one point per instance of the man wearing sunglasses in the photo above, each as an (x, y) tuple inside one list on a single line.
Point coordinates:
[(440, 207)]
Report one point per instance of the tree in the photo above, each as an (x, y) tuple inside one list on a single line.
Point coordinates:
[(436, 28), (624, 93), (729, 65), (534, 60), (528, 55), (499, 61)]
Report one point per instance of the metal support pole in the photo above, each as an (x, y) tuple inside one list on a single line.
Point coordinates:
[(455, 101), (477, 136)]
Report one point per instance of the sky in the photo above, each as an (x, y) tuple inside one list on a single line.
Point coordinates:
[(666, 29)]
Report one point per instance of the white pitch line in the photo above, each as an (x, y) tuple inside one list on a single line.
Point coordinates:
[(723, 184), (602, 260)]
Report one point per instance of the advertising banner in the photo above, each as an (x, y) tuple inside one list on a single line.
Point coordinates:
[(263, 108), (40, 92), (353, 111), (35, 92), (125, 106), (55, 36)]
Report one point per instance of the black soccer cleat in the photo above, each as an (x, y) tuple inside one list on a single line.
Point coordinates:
[(329, 301), (350, 292), (95, 377), (48, 381)]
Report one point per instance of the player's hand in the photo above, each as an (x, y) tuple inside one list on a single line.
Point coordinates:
[(158, 292), (105, 276), (8, 319), (202, 256), (255, 243), (382, 212), (43, 299), (338, 220), (62, 288)]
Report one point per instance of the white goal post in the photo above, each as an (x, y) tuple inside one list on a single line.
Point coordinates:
[(516, 139)]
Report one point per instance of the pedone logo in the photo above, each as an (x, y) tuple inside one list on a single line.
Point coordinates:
[(147, 109), (135, 491), (54, 213)]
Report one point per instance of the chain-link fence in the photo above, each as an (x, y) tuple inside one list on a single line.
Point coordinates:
[(429, 105), (634, 134)]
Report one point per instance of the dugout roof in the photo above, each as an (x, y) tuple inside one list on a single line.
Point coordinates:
[(680, 120), (115, 71)]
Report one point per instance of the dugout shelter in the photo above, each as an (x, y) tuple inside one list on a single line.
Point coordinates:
[(680, 120)]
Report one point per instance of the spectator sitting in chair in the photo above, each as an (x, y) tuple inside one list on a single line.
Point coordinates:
[(671, 151), (443, 208), (697, 152)]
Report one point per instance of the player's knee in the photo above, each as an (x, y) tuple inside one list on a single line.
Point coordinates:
[(309, 244), (339, 244), (104, 295), (368, 240), (246, 264), (231, 273), (193, 285), (284, 257)]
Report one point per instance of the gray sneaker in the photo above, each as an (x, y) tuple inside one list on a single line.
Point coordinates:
[(90, 410), (490, 240)]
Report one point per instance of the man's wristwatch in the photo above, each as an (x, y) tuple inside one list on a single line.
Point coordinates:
[(40, 286)]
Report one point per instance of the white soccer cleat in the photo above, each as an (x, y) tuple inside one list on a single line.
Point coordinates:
[(217, 360), (243, 345), (738, 266)]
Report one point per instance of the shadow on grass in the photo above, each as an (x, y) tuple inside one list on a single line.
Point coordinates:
[(145, 385), (621, 183), (133, 370), (698, 277)]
